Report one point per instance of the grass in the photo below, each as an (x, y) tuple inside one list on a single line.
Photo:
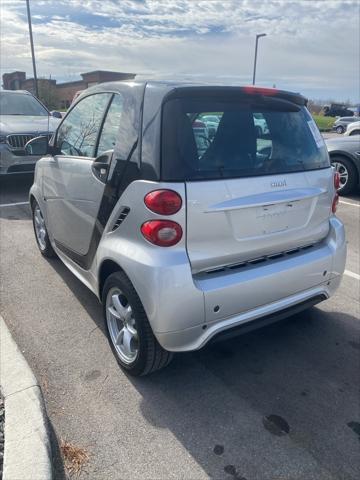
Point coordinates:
[(324, 123)]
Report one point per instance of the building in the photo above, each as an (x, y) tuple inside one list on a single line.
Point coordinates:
[(61, 94)]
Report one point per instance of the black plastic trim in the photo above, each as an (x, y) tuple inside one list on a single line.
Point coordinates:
[(268, 320), (232, 91)]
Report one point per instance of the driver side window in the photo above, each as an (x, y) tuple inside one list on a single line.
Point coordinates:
[(79, 131)]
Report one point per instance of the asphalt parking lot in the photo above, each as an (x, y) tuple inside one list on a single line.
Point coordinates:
[(279, 403)]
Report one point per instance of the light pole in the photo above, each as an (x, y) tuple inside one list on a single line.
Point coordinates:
[(32, 48), (256, 49)]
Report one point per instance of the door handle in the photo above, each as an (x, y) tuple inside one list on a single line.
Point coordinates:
[(101, 167), (100, 170)]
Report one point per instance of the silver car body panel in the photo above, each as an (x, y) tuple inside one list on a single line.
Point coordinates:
[(228, 222), (200, 287), (73, 195)]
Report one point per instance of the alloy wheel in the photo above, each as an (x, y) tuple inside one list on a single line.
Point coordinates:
[(343, 172), (40, 229), (122, 326)]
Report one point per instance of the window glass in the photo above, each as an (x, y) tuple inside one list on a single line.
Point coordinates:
[(243, 139), (20, 104), (78, 133), (109, 133)]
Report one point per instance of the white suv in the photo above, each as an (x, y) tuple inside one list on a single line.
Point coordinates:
[(184, 245)]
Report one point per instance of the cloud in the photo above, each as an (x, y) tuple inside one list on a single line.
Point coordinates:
[(312, 47)]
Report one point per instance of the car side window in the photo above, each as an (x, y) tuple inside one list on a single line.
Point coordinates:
[(79, 131), (110, 130)]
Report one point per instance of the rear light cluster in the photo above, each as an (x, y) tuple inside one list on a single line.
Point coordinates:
[(336, 197), (250, 90), (163, 202), (164, 233), (337, 180)]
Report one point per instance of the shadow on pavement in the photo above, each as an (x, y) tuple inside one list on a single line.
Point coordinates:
[(297, 376), (58, 466), (229, 403), (15, 189)]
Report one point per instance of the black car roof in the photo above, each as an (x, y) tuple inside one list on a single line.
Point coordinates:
[(193, 88)]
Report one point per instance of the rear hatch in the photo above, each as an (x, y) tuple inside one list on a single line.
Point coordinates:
[(250, 192)]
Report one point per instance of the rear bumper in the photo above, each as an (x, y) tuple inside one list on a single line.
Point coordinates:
[(196, 337), (272, 290)]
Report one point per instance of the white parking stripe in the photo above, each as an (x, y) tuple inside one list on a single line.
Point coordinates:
[(349, 203), (352, 274), (13, 204)]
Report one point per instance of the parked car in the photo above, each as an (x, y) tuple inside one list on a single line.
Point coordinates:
[(22, 117), (337, 110), (180, 247), (345, 157), (353, 129), (342, 122)]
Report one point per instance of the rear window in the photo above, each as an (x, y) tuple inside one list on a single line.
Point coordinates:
[(242, 139)]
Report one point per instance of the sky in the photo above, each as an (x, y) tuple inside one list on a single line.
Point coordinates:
[(311, 46)]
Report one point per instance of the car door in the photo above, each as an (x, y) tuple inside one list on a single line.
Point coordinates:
[(75, 184)]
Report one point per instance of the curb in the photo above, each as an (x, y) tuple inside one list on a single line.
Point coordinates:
[(27, 452)]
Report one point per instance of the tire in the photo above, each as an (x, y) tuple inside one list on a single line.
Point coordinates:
[(340, 129), (354, 132), (345, 166), (136, 349), (42, 239)]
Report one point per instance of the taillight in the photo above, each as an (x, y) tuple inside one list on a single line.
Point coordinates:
[(335, 203), (251, 90), (163, 233), (337, 180), (163, 202)]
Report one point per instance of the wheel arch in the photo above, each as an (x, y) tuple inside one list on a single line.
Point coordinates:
[(354, 132), (32, 200), (107, 267)]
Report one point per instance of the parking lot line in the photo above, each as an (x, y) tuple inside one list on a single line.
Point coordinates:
[(352, 274), (350, 203), (13, 204)]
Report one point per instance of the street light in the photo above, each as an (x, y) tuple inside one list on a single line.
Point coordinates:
[(256, 49), (32, 48)]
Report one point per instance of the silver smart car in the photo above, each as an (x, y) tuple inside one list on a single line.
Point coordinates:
[(181, 245)]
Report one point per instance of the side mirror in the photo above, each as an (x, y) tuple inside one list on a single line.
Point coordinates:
[(37, 146), (56, 114)]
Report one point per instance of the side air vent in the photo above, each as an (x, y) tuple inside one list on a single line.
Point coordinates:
[(123, 214)]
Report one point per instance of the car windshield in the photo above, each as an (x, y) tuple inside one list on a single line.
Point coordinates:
[(251, 139), (20, 104)]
